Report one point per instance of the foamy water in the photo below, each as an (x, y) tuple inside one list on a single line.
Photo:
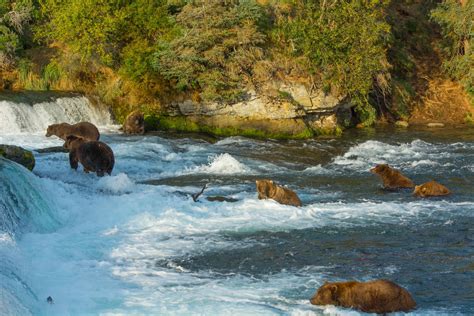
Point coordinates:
[(118, 246)]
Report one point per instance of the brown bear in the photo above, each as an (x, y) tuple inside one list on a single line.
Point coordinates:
[(134, 123), (268, 190), (94, 156), (431, 188), (86, 130), (379, 296), (392, 178)]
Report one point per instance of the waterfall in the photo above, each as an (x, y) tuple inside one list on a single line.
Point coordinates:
[(23, 204), (21, 117)]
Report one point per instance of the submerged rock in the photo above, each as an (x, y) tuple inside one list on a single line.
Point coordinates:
[(403, 124), (435, 125), (219, 198), (56, 149), (19, 155)]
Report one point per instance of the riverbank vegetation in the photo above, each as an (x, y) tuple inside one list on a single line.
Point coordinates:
[(381, 55)]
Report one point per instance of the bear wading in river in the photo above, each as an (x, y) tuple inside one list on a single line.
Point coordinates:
[(268, 190), (431, 188), (392, 178), (379, 296), (94, 156), (134, 123), (86, 130)]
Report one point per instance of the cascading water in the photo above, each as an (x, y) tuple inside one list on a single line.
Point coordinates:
[(122, 247), (24, 207), (21, 117), (23, 204)]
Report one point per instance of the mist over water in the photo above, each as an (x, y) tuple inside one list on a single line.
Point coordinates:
[(136, 243)]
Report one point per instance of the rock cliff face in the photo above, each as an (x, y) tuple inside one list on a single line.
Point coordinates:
[(295, 111)]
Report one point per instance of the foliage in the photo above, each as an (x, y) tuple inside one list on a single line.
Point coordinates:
[(217, 47), (119, 33), (457, 24), (14, 21), (344, 43)]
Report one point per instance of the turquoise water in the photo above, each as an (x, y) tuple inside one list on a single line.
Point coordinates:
[(136, 243)]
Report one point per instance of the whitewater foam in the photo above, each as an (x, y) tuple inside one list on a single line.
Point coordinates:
[(16, 118), (221, 164)]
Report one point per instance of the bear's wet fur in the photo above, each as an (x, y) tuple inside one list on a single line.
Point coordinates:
[(134, 123), (86, 130), (378, 296), (267, 189), (392, 178), (431, 188), (94, 156)]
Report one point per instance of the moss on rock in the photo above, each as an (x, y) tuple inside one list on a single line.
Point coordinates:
[(19, 155)]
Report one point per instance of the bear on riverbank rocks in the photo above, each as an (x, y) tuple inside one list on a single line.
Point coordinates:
[(268, 190), (86, 130), (379, 296), (134, 123), (431, 188), (392, 178), (94, 156)]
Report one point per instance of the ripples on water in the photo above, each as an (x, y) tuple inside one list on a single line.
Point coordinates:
[(137, 243)]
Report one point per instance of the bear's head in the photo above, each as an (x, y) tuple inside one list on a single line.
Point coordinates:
[(265, 188), (326, 295), (72, 142), (420, 190), (51, 130), (381, 168), (57, 129)]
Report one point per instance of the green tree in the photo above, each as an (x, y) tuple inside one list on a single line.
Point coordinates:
[(218, 44), (121, 34), (344, 43), (14, 21), (456, 18)]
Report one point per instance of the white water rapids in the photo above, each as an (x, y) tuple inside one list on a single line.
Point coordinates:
[(117, 246)]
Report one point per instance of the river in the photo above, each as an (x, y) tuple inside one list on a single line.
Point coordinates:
[(135, 243)]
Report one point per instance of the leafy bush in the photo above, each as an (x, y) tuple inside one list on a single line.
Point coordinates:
[(218, 44), (457, 24), (14, 19), (344, 43)]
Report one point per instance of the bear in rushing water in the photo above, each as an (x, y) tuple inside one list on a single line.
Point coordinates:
[(94, 156), (268, 190), (431, 188), (86, 130), (379, 296), (134, 123), (392, 178)]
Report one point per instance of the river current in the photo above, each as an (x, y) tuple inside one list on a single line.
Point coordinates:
[(135, 243)]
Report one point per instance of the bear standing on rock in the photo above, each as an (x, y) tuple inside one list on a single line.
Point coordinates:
[(392, 178), (134, 123), (86, 130), (94, 156), (379, 296), (431, 188), (268, 190)]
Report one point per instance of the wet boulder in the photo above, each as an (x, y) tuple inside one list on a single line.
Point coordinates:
[(19, 155)]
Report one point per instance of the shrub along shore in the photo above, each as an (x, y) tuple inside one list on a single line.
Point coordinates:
[(282, 69)]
